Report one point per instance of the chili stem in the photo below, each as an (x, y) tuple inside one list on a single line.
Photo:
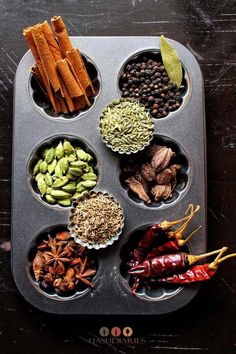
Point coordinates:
[(183, 242), (192, 259), (167, 224), (183, 227), (191, 208), (227, 257), (215, 263)]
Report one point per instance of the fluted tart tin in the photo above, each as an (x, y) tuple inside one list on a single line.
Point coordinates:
[(126, 126), (96, 220)]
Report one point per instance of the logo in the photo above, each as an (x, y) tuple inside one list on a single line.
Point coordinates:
[(116, 331), (116, 335), (104, 332), (127, 331)]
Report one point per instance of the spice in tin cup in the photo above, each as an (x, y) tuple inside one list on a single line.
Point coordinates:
[(62, 266), (152, 174), (146, 79), (96, 220), (64, 172), (125, 126)]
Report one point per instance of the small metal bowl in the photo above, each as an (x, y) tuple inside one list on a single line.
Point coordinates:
[(96, 246), (131, 151)]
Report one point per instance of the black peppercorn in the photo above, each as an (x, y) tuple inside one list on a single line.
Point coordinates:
[(148, 82), (154, 112)]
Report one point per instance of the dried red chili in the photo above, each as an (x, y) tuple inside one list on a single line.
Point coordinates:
[(159, 235), (197, 273), (170, 246), (167, 264)]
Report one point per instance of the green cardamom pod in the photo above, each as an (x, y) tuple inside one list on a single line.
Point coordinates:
[(89, 158), (42, 186), (75, 171), (49, 155), (64, 165), (71, 158), (52, 166), (58, 194), (58, 171), (70, 187), (89, 176), (37, 166), (59, 151), (65, 202), (39, 175), (86, 169), (81, 154), (50, 199), (48, 190), (44, 152), (88, 184), (48, 179), (171, 62), (43, 167), (80, 187), (68, 148), (71, 177), (76, 195), (60, 182), (78, 180), (90, 170), (80, 164)]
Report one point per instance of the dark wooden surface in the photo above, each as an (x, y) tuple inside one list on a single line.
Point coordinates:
[(208, 29)]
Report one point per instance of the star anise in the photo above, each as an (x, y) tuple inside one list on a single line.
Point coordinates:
[(38, 264), (70, 248), (69, 279), (83, 271), (56, 256), (60, 263), (63, 236), (50, 242)]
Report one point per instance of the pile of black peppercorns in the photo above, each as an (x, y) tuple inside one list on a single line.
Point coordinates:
[(146, 80)]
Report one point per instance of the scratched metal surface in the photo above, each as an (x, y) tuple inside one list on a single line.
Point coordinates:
[(207, 28)]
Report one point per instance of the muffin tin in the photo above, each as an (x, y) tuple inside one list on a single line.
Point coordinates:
[(31, 217)]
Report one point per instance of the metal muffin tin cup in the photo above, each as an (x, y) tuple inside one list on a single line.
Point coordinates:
[(185, 126)]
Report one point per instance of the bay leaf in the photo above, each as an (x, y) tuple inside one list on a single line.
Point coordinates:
[(171, 62)]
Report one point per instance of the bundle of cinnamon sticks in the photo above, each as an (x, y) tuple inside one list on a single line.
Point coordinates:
[(59, 68)]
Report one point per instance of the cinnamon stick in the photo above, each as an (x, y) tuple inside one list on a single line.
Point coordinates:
[(60, 31), (52, 42), (46, 57), (30, 41), (70, 104), (83, 98), (76, 60), (71, 82), (59, 69), (36, 73), (63, 105)]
